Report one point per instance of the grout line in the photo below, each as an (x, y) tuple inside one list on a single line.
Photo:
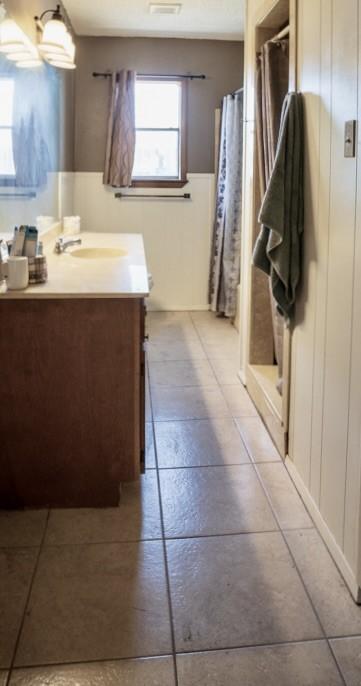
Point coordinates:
[(202, 419), (133, 541), (89, 661), (170, 607), (243, 647), (216, 466), (27, 599)]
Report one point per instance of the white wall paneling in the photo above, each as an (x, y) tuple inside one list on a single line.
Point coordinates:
[(325, 403), (177, 233)]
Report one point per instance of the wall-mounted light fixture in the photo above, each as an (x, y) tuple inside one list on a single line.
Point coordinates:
[(15, 44), (56, 43)]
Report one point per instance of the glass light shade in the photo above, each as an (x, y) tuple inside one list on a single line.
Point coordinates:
[(11, 48), (69, 48), (20, 56), (62, 64), (49, 49), (29, 63), (54, 34), (12, 38), (64, 54)]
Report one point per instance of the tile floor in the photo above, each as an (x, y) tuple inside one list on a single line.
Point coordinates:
[(209, 573)]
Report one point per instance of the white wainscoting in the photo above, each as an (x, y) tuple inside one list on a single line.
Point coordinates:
[(15, 211), (177, 233)]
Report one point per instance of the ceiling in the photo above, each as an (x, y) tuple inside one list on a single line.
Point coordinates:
[(214, 19)]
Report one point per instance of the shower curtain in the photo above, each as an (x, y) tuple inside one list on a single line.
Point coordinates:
[(271, 89), (225, 256)]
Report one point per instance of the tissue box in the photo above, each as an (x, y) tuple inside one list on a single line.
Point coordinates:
[(71, 225)]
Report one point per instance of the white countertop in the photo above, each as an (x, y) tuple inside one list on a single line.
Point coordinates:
[(74, 277)]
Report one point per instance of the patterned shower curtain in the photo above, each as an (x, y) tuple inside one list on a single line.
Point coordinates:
[(225, 256)]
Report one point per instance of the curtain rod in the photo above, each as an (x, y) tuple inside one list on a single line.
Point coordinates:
[(239, 90), (107, 74), (282, 34)]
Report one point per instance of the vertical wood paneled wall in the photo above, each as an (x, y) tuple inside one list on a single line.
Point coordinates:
[(325, 403), (326, 357)]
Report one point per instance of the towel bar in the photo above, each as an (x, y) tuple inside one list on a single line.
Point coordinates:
[(184, 196), (31, 194)]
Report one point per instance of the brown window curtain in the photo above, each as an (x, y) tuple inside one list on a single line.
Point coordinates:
[(271, 87), (119, 156)]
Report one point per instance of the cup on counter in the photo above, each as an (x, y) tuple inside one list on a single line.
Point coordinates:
[(18, 273)]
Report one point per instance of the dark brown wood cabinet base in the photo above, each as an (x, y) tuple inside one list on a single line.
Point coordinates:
[(71, 400)]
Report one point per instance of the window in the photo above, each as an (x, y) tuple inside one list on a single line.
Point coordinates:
[(160, 132), (7, 166)]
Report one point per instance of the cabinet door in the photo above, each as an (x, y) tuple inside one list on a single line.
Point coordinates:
[(142, 387)]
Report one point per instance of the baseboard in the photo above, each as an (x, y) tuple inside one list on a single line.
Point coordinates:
[(325, 532), (175, 308)]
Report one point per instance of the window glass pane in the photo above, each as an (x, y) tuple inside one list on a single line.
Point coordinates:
[(7, 167), (157, 105), (6, 102), (156, 154)]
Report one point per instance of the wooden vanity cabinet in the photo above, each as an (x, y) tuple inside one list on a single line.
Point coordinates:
[(72, 400)]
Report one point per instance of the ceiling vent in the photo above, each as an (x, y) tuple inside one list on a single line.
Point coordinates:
[(165, 7)]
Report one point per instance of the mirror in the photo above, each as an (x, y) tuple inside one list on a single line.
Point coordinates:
[(29, 144)]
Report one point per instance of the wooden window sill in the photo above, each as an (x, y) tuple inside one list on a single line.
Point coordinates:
[(145, 183)]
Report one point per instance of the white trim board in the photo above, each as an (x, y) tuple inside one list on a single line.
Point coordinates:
[(325, 532)]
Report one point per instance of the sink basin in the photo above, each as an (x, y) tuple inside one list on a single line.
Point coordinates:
[(98, 253)]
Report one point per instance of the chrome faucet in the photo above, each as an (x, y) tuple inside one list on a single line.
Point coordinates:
[(62, 244)]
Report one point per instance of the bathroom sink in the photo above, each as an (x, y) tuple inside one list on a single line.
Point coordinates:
[(98, 253)]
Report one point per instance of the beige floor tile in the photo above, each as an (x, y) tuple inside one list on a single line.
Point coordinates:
[(288, 506), (94, 602), (3, 678), (149, 445), (238, 401), (338, 613), (257, 440), (156, 671), (180, 350), (348, 656), (211, 335), (148, 405), (16, 570), (192, 402), (231, 591), (136, 518), (199, 442), (229, 349), (205, 322), (22, 528), (226, 371), (214, 501), (164, 322), (182, 373), (300, 664), (200, 317), (172, 334)]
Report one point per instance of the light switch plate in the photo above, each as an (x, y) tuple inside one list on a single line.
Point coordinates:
[(350, 138)]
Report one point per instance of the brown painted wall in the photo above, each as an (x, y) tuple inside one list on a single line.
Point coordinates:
[(23, 12), (221, 61)]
